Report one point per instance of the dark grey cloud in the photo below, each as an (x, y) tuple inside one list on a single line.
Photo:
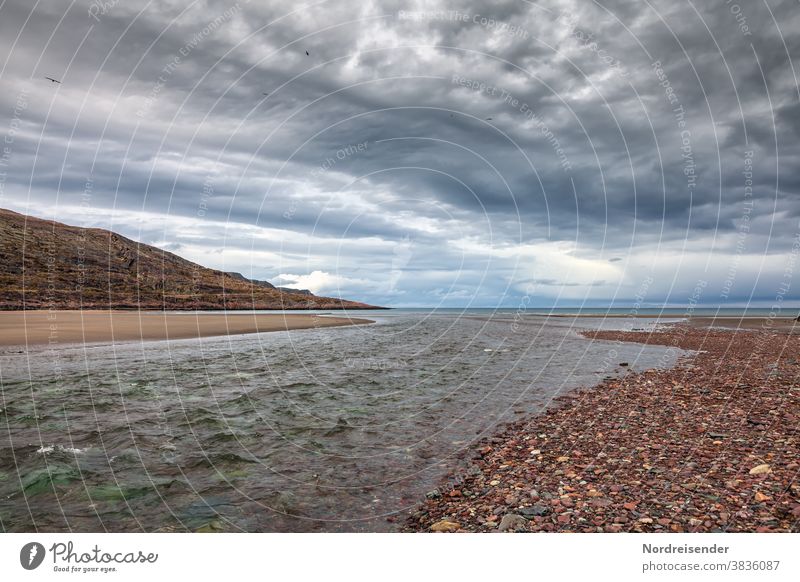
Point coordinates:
[(421, 153)]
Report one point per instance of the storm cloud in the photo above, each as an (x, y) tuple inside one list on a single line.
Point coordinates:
[(422, 153)]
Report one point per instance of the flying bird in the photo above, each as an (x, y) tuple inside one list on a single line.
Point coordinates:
[(308, 55), (488, 119), (265, 94), (53, 80)]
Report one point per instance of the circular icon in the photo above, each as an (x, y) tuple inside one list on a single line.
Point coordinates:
[(31, 555)]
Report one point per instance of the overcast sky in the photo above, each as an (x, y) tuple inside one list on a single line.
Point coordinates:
[(422, 153)]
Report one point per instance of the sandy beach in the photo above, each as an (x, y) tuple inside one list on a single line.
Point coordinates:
[(710, 445), (20, 328)]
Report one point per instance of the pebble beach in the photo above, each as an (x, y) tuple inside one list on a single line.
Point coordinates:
[(709, 445)]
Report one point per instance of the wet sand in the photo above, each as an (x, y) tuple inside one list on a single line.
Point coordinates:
[(784, 324), (710, 445), (20, 328)]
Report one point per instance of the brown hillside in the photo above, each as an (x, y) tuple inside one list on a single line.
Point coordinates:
[(46, 264)]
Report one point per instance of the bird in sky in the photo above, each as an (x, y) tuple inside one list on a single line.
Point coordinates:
[(53, 80), (308, 55), (265, 94), (488, 119)]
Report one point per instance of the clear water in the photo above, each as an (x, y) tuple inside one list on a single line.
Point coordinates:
[(312, 430)]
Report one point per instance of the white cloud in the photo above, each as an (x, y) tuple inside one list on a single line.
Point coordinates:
[(321, 282)]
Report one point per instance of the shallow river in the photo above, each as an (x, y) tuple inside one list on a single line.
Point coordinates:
[(315, 430)]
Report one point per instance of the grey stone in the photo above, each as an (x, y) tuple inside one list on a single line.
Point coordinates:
[(512, 522), (535, 511)]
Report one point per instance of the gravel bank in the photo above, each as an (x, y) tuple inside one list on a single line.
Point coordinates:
[(710, 445)]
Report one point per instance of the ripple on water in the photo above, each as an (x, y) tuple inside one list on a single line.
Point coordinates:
[(324, 430)]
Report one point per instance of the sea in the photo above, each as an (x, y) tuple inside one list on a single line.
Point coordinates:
[(318, 430)]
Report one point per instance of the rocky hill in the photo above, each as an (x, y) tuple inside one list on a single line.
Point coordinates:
[(267, 284), (49, 265)]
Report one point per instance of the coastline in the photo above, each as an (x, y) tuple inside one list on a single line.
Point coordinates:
[(700, 321), (709, 445), (32, 328)]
